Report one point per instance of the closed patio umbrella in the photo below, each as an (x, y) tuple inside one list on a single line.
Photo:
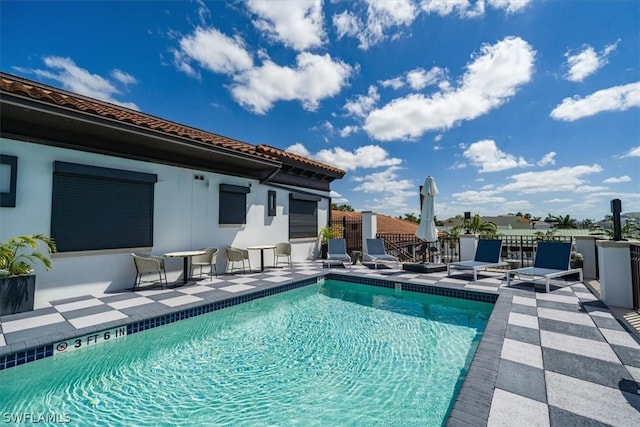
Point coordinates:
[(427, 230)]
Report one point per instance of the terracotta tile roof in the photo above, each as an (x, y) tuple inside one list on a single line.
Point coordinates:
[(281, 154), (43, 93), (386, 224)]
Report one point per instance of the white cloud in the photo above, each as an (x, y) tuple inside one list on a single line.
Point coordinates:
[(348, 130), (510, 6), (486, 155), (79, 80), (471, 9), (380, 17), (361, 105), (368, 156), (474, 197), (419, 78), (633, 152), (124, 78), (395, 83), (558, 200), (617, 98), (314, 78), (547, 159), (385, 182), (566, 179), (615, 180), (213, 51), (297, 24), (491, 79), (587, 61)]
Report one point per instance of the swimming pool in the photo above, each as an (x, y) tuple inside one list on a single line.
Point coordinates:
[(328, 354)]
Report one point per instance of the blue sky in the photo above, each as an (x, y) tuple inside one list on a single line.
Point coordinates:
[(511, 105)]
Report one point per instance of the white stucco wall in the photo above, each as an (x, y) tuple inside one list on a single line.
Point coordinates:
[(185, 217)]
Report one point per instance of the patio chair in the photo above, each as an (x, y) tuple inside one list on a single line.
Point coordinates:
[(337, 251), (487, 256), (282, 250), (237, 255), (551, 260), (375, 251), (148, 264), (209, 258)]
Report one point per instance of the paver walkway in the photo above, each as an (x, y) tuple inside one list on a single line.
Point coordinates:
[(553, 359)]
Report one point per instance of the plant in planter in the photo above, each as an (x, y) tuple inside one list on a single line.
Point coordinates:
[(576, 260), (17, 281), (326, 233)]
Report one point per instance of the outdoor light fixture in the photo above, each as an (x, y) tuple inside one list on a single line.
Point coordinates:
[(467, 218)]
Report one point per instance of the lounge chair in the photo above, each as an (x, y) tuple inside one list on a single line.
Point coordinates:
[(374, 251), (337, 251), (148, 264), (551, 260), (487, 256)]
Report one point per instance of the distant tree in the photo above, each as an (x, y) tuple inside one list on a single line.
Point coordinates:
[(565, 222), (437, 221), (587, 223), (411, 217), (476, 226), (536, 218), (345, 208)]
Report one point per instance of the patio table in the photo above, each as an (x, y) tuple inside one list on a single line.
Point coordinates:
[(261, 248), (186, 255)]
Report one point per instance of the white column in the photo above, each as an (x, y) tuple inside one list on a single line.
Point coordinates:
[(587, 247), (614, 262), (369, 226), (468, 244)]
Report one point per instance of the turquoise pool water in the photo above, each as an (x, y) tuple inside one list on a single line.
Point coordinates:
[(329, 354)]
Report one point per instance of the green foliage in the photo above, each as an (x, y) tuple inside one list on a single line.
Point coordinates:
[(343, 207), (411, 217), (546, 235), (18, 254), (326, 233), (476, 226)]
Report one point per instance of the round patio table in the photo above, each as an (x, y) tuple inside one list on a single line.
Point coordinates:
[(261, 248), (186, 255)]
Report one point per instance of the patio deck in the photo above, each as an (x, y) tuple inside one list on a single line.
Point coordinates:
[(554, 359)]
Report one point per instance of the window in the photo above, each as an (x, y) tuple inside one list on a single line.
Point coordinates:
[(271, 203), (303, 215), (8, 180), (97, 208), (232, 208)]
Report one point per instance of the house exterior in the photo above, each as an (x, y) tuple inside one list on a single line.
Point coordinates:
[(105, 181)]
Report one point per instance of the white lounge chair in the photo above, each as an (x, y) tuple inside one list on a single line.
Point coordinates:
[(551, 260), (375, 251), (337, 251), (487, 256)]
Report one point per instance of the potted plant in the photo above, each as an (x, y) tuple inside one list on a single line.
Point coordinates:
[(576, 260), (17, 281), (326, 233)]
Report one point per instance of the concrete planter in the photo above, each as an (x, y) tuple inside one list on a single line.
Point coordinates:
[(17, 294)]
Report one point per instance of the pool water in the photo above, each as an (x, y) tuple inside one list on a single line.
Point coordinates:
[(329, 354)]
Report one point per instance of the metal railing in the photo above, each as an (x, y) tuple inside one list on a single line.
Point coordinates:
[(635, 274), (521, 248), (408, 248)]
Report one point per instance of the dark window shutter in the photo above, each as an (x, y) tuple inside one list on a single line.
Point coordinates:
[(303, 218), (108, 209), (232, 208)]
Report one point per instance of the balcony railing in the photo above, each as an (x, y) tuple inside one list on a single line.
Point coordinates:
[(635, 274)]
